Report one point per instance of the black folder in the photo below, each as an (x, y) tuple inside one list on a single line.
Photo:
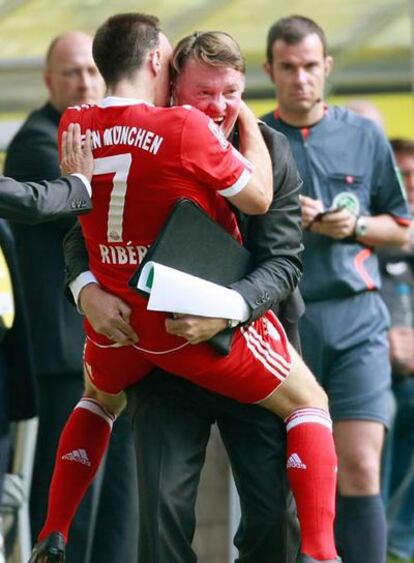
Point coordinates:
[(192, 242)]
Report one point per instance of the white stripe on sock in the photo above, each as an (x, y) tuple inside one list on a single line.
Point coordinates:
[(94, 407), (303, 416)]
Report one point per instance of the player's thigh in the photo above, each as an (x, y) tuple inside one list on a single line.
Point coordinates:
[(299, 390), (112, 369), (258, 363), (114, 403)]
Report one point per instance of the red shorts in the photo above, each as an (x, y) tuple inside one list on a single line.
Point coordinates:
[(258, 363)]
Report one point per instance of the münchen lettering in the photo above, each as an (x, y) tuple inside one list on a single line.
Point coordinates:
[(130, 136)]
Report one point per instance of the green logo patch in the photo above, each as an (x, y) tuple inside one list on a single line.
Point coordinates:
[(348, 200)]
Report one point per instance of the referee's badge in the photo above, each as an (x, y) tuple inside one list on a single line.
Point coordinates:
[(348, 200), (6, 294)]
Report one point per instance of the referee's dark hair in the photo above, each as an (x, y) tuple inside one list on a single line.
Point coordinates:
[(293, 30), (122, 42), (402, 146)]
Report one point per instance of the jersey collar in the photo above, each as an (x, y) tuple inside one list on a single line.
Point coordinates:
[(112, 101), (304, 131), (276, 114)]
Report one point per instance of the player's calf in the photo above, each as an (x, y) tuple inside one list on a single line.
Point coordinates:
[(311, 458), (82, 445)]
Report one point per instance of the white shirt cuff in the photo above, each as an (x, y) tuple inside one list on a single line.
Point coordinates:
[(76, 286), (85, 181), (244, 308)]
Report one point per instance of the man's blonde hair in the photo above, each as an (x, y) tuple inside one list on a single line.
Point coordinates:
[(213, 48)]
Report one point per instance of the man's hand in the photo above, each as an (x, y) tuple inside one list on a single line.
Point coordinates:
[(402, 349), (108, 314), (245, 120), (335, 223), (193, 328), (310, 208), (76, 157)]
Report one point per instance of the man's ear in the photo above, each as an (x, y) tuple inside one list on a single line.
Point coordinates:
[(155, 60), (47, 79), (329, 63), (267, 67), (173, 93)]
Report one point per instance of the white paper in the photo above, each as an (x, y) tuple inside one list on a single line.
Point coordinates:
[(173, 291)]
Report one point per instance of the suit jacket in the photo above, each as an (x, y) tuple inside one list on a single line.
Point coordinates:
[(15, 346), (275, 239), (56, 328), (33, 202)]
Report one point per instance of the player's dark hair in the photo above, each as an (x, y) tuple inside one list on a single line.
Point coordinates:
[(121, 44), (293, 30), (402, 146), (213, 48)]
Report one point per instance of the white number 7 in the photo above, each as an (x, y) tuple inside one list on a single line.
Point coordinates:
[(119, 165)]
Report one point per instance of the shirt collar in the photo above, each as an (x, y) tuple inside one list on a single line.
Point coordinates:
[(112, 101)]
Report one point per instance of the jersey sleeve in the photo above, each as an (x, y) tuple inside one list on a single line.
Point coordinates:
[(206, 154), (388, 195)]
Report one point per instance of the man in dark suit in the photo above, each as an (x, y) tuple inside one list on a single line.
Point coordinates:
[(71, 78)]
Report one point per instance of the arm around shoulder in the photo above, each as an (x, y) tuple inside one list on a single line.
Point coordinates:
[(275, 238), (257, 195), (32, 202)]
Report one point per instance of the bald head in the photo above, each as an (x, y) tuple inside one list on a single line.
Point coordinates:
[(71, 75)]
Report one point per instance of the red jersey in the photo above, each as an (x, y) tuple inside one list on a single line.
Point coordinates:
[(145, 159)]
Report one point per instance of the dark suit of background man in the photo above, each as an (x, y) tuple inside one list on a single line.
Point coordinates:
[(56, 329), (17, 385)]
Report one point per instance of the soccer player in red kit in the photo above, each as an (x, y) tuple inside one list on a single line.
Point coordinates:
[(146, 158)]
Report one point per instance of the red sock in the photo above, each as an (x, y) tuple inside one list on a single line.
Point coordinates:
[(82, 446), (312, 469)]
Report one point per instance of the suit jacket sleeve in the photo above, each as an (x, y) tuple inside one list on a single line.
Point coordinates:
[(33, 202), (76, 257), (32, 158), (275, 238)]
